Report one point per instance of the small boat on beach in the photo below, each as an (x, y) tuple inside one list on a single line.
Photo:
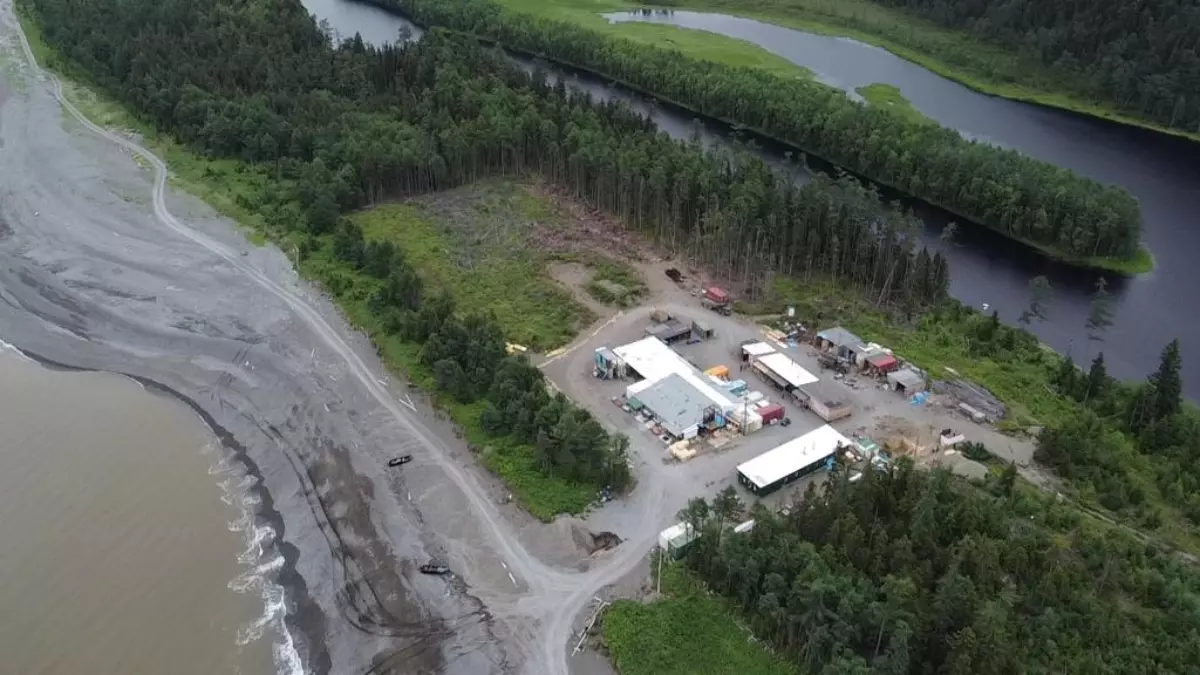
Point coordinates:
[(434, 568), (398, 461)]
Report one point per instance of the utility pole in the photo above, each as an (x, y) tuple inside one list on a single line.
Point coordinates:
[(658, 590)]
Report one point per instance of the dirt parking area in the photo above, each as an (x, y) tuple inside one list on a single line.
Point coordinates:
[(879, 413)]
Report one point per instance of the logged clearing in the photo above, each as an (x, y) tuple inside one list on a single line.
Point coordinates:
[(490, 244)]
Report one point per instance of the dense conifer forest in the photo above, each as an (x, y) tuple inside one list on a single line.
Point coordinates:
[(345, 126), (908, 572), (1069, 215), (1144, 57)]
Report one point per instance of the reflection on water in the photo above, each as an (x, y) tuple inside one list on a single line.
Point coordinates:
[(118, 548)]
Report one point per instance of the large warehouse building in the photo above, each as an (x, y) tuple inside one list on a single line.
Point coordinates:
[(795, 459), (679, 396)]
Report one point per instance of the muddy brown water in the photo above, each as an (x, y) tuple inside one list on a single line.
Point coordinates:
[(120, 555)]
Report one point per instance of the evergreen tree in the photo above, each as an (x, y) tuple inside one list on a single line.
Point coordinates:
[(1097, 380), (1167, 384), (1065, 378)]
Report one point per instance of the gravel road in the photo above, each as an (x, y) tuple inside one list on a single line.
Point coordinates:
[(103, 266)]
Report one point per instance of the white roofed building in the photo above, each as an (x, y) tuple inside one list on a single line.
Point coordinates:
[(756, 350), (783, 372), (792, 460), (676, 392)]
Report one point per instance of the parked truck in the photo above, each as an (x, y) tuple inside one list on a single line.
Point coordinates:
[(716, 299)]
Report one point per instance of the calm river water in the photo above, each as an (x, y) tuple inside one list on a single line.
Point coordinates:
[(1164, 173), (119, 554), (1161, 171)]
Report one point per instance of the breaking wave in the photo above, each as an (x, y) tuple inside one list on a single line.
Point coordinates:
[(262, 563)]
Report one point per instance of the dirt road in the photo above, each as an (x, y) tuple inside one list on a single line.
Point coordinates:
[(103, 266)]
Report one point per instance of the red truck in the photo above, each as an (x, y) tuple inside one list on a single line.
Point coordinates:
[(716, 299)]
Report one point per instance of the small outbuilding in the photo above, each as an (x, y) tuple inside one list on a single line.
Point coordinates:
[(675, 539), (907, 380), (839, 341), (608, 365), (882, 363), (828, 401), (670, 331)]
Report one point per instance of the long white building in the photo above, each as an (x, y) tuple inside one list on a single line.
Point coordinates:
[(792, 460)]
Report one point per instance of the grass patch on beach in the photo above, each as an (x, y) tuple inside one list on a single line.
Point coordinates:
[(475, 242), (686, 632)]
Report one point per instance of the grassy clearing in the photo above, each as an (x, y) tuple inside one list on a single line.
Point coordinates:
[(615, 283), (474, 242), (685, 633), (612, 282), (694, 43), (956, 55), (889, 97), (233, 188)]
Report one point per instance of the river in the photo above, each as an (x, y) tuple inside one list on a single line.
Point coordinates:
[(1163, 172), (122, 533)]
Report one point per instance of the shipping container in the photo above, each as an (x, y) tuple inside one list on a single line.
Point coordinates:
[(771, 413), (716, 294)]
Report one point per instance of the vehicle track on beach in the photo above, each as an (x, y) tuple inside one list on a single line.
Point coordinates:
[(540, 620)]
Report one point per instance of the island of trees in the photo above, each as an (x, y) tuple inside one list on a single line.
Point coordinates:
[(340, 127), (1141, 57), (1063, 214)]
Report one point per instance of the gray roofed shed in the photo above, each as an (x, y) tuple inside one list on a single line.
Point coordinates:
[(907, 379), (669, 331), (840, 337)]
